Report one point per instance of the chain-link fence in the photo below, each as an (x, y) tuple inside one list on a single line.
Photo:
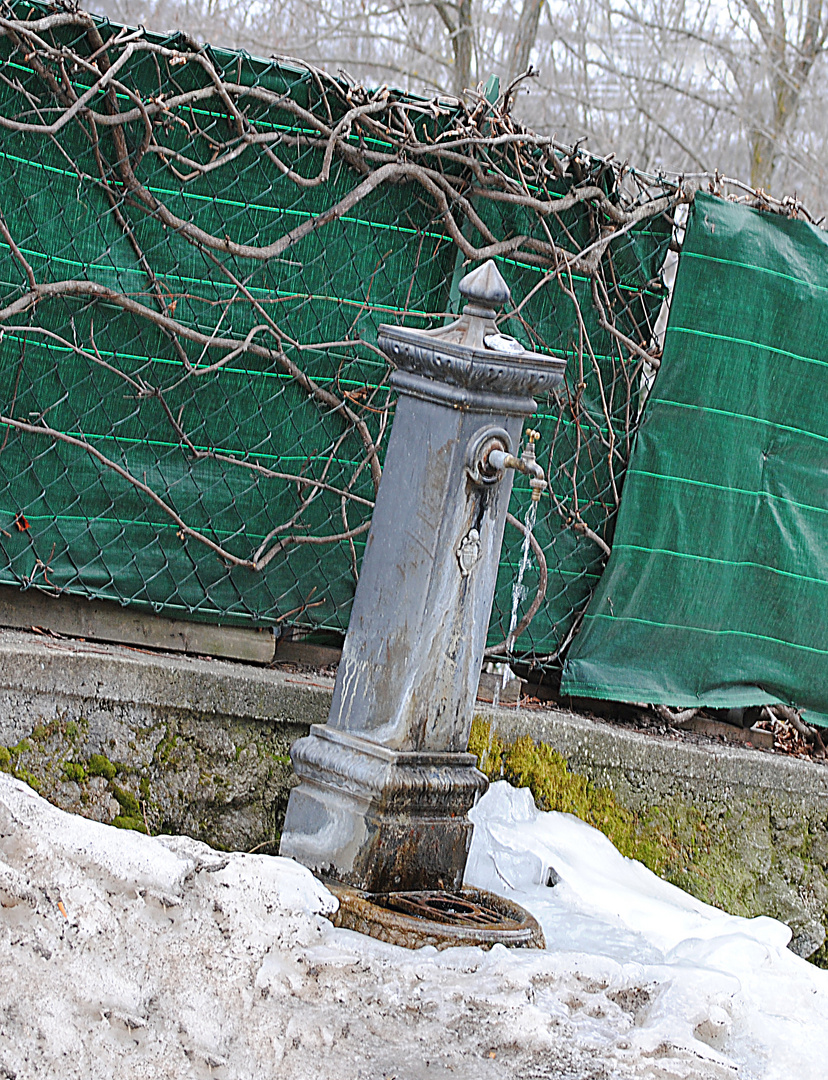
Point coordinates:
[(196, 248)]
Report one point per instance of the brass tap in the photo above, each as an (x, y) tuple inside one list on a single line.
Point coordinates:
[(537, 482), (497, 459)]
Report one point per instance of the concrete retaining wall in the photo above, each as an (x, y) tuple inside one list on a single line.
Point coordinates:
[(200, 746)]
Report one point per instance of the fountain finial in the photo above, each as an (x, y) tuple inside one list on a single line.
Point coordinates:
[(485, 285)]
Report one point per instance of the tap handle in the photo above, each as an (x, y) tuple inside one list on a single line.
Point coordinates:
[(532, 437)]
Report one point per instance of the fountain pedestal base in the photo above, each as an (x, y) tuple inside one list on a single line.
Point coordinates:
[(375, 818)]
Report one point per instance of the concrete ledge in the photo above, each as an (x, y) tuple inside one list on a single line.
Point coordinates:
[(129, 737), (93, 670), (638, 765)]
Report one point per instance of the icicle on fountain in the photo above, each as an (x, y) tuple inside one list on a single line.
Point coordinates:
[(385, 786)]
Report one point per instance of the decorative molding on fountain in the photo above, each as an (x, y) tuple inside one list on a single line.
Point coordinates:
[(471, 352), (374, 808)]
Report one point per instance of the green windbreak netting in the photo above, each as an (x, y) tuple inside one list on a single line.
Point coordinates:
[(586, 430), (716, 592), (196, 249)]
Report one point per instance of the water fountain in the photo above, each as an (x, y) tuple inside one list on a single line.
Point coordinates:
[(385, 786)]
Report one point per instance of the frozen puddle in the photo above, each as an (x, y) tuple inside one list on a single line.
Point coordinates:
[(127, 956)]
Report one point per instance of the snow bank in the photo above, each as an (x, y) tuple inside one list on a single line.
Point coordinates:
[(128, 956), (714, 978)]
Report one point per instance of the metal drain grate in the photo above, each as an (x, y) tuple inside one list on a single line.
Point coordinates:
[(445, 907)]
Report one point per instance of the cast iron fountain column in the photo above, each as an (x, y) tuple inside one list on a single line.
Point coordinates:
[(386, 784)]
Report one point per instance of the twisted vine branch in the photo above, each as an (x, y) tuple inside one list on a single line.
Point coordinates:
[(475, 171)]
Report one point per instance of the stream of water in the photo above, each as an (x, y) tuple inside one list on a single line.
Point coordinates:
[(518, 591)]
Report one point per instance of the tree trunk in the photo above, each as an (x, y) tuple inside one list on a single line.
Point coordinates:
[(762, 161), (791, 65), (524, 39), (463, 47)]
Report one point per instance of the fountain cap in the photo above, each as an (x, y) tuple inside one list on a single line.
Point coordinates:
[(485, 286), (471, 351)]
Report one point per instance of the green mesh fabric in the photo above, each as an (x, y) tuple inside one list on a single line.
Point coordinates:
[(715, 592), (69, 523)]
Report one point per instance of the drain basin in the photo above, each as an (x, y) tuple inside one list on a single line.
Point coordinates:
[(431, 917)]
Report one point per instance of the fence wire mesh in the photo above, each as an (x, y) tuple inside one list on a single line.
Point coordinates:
[(196, 249)]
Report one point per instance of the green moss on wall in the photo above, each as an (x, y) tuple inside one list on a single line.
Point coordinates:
[(524, 763), (136, 824), (127, 802), (100, 765), (27, 778), (175, 772), (10, 762), (73, 770)]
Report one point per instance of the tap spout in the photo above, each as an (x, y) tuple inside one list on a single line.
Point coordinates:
[(498, 460)]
